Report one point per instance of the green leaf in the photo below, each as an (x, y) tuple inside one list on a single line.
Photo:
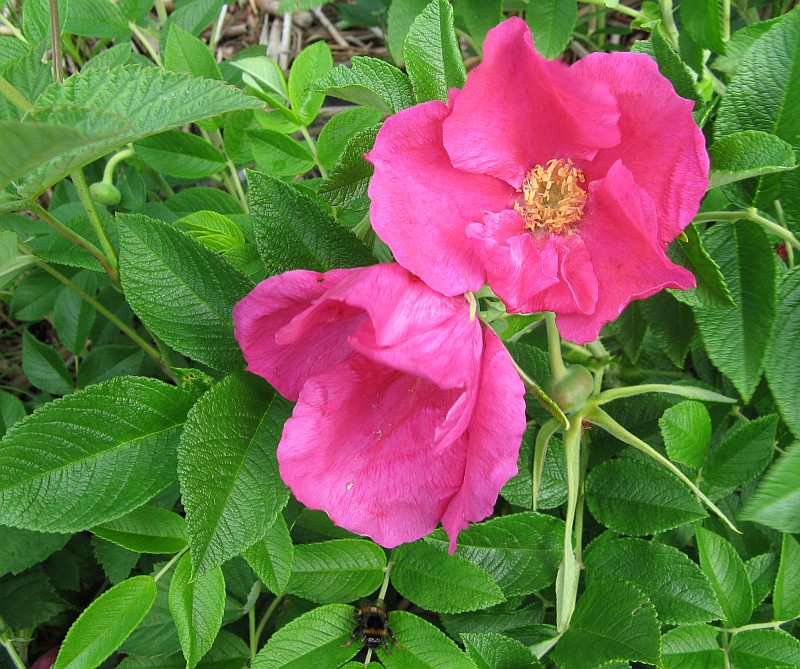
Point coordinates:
[(635, 497), (551, 23), (736, 339), (95, 18), (313, 639), (672, 325), (272, 557), (196, 604), (481, 16), (747, 154), (106, 362), (265, 76), (786, 598), (739, 43), (630, 328), (73, 316), (350, 177), (757, 649), (432, 54), (677, 587), (183, 292), (193, 200), (117, 562), (495, 651), (28, 145), (758, 97), (156, 635), (196, 15), (776, 501), (742, 454), (21, 549), (217, 232), (703, 20), (275, 152), (711, 291), (44, 367), (294, 232), (780, 366), (521, 552), (230, 438), (115, 56), (447, 583), (12, 410), (228, 652), (400, 17), (311, 63), (725, 569), (670, 64), (762, 571), (686, 431), (422, 646), (180, 154), (692, 647), (105, 105), (91, 456), (335, 135), (335, 571), (371, 82), (29, 599), (186, 53), (612, 621), (148, 529), (106, 623)]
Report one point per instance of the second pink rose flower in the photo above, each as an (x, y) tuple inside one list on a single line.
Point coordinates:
[(559, 186)]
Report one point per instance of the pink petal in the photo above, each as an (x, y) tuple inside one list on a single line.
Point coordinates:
[(360, 446), (421, 204), (411, 327), (259, 317), (493, 440), (517, 110), (630, 262), (661, 144), (542, 273)]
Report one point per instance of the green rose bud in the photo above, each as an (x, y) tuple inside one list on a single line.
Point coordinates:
[(571, 391), (105, 193)]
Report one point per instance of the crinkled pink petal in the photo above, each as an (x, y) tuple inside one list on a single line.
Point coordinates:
[(493, 440), (421, 204), (620, 232), (547, 273), (359, 446), (260, 316), (517, 110), (661, 144)]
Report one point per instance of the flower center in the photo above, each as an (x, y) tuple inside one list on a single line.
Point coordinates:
[(551, 199)]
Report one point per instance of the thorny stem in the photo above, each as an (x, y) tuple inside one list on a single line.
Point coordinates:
[(668, 21), (750, 214), (79, 180), (264, 619), (169, 564), (216, 139), (773, 624), (145, 43), (55, 33), (622, 9), (313, 148), (73, 236), (539, 454), (14, 31), (557, 368), (161, 11), (12, 653), (386, 573)]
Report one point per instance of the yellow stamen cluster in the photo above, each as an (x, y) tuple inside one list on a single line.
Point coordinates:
[(551, 199)]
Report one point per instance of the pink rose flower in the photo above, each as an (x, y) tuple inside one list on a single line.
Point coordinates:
[(560, 186), (408, 413)]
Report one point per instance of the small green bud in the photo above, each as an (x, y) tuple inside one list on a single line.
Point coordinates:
[(571, 391), (105, 193)]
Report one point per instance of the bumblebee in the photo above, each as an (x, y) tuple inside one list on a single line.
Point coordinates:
[(372, 626)]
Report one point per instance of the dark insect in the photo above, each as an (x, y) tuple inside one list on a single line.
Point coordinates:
[(372, 625)]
